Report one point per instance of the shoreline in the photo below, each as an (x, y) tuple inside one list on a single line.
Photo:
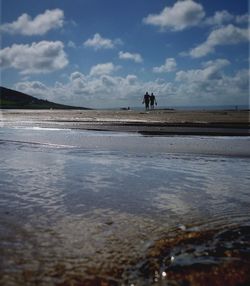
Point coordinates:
[(152, 123), (113, 209)]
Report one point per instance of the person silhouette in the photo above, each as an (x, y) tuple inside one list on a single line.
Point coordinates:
[(152, 101), (146, 100)]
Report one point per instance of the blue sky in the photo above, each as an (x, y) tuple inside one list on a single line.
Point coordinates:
[(109, 53)]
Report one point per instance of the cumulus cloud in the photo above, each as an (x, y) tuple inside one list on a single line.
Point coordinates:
[(129, 56), (226, 35), (169, 66), (182, 15), (206, 85), (41, 57), (41, 24), (219, 18), (101, 69), (35, 88), (96, 91), (76, 75), (224, 17), (241, 80), (98, 42), (211, 70), (211, 86), (242, 19), (98, 88)]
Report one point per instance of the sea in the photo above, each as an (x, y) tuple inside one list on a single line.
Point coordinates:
[(190, 107), (108, 208)]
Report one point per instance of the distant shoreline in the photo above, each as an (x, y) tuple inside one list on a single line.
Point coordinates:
[(156, 122)]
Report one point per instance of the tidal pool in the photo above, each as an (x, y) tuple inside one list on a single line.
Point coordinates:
[(105, 208)]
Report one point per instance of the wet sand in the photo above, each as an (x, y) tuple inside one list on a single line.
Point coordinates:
[(155, 122), (77, 208)]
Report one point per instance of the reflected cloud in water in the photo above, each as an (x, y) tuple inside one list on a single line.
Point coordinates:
[(72, 211)]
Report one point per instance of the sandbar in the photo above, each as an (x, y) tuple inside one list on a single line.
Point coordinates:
[(153, 122)]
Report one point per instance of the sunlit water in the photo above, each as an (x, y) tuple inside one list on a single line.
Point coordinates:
[(94, 208)]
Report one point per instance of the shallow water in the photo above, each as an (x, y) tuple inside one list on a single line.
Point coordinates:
[(102, 208)]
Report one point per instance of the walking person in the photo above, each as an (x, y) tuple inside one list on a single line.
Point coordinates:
[(152, 101), (146, 100)]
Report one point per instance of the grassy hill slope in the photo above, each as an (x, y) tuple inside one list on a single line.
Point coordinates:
[(11, 99)]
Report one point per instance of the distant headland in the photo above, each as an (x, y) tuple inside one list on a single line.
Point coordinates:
[(12, 99)]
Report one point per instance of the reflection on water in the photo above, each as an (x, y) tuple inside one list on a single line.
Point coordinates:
[(76, 216)]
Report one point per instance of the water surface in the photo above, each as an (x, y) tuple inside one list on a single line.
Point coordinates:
[(103, 208)]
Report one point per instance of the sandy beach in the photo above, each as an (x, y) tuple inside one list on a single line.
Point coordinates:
[(84, 206), (124, 142), (155, 122)]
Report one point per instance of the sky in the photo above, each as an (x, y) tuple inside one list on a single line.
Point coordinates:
[(108, 53)]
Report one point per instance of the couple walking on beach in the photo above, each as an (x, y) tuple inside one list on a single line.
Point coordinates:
[(149, 99)]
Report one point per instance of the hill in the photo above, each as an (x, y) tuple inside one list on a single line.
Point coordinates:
[(12, 99)]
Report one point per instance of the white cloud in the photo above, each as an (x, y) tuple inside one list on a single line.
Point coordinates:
[(226, 35), (241, 80), (241, 19), (211, 70), (129, 56), (219, 18), (131, 79), (41, 57), (76, 75), (182, 15), (96, 91), (35, 88), (207, 85), (101, 69), (41, 24), (224, 17), (169, 66), (218, 90), (98, 42)]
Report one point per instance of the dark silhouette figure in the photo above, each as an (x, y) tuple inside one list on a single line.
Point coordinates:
[(146, 100), (152, 101)]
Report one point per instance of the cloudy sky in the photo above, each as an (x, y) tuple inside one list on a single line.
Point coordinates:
[(108, 53)]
